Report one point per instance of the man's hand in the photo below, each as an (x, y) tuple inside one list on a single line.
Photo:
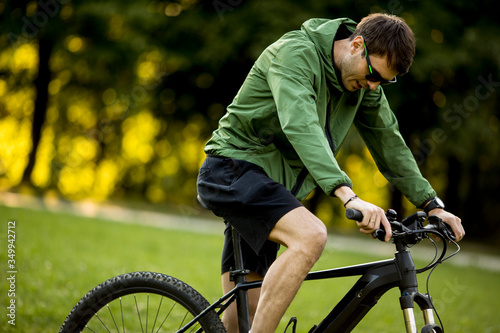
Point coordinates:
[(373, 216), (453, 221)]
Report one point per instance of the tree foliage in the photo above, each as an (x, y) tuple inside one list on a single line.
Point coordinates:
[(110, 99)]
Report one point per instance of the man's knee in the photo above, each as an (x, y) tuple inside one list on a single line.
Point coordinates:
[(303, 232), (313, 241)]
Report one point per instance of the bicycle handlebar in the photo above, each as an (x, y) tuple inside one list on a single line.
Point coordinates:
[(354, 214), (408, 226)]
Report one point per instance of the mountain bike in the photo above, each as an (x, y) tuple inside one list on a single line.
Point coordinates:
[(154, 302)]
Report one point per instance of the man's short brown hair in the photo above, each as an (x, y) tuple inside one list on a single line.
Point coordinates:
[(388, 35)]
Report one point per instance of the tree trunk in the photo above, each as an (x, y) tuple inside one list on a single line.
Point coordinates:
[(42, 96), (452, 198), (397, 202)]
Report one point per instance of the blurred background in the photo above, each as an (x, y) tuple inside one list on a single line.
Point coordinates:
[(114, 100)]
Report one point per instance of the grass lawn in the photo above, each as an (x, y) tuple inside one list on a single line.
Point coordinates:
[(59, 257)]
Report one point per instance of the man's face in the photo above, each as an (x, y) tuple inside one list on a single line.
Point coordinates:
[(354, 68)]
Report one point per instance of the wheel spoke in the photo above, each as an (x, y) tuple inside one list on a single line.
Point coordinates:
[(147, 311), (168, 314), (89, 329), (182, 323), (123, 318), (157, 313), (103, 324), (113, 317), (138, 314)]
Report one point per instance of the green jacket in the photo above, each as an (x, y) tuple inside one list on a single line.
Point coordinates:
[(291, 116)]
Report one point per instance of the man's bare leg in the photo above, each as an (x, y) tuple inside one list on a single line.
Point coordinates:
[(230, 316), (304, 236)]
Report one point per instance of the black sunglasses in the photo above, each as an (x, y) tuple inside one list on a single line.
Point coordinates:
[(374, 76)]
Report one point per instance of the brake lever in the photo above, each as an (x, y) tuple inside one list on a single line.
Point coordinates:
[(441, 227)]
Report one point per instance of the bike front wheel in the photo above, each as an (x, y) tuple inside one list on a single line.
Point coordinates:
[(141, 302)]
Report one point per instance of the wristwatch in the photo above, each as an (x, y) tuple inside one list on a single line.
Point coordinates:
[(433, 203)]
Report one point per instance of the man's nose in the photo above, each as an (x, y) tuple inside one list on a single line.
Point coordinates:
[(372, 85)]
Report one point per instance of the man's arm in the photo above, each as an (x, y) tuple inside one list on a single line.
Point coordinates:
[(378, 126), (379, 129)]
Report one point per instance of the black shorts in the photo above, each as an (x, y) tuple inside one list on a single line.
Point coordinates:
[(251, 202)]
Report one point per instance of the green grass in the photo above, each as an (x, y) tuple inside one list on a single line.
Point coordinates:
[(60, 257)]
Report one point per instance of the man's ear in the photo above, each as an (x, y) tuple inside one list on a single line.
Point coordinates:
[(357, 45)]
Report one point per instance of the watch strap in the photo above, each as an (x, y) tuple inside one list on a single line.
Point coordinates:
[(432, 204)]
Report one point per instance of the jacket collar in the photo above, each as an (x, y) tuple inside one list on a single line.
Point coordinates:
[(322, 33)]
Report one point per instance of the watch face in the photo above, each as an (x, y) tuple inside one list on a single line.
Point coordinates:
[(439, 202)]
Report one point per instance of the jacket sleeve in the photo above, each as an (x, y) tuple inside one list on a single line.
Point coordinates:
[(379, 128), (291, 78)]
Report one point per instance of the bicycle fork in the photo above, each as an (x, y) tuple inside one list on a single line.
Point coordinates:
[(410, 296), (407, 301)]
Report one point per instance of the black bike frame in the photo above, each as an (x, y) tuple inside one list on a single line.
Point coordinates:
[(376, 279)]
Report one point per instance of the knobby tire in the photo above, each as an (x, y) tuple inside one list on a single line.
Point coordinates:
[(141, 302)]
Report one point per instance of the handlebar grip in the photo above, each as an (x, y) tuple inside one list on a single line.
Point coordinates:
[(354, 214)]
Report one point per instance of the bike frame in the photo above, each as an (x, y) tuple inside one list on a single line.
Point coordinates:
[(376, 279)]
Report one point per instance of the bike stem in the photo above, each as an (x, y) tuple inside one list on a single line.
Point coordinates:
[(410, 293)]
